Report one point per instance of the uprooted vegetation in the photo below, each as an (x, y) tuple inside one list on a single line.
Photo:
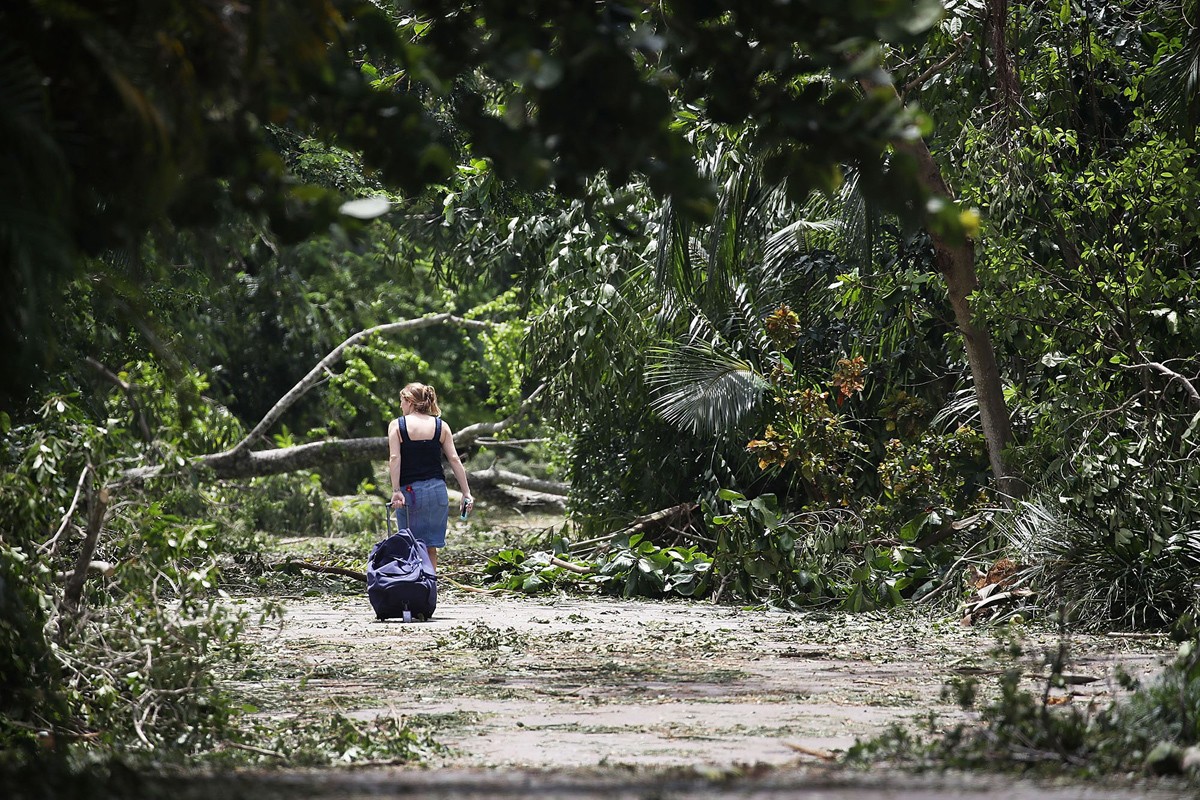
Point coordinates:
[(1152, 728)]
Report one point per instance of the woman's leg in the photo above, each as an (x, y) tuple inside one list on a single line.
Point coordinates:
[(433, 557)]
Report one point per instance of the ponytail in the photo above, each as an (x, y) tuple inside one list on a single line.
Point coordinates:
[(422, 397)]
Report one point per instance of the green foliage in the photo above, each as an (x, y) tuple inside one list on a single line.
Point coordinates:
[(633, 567), (286, 505), (502, 364), (335, 739), (409, 87), (935, 471), (814, 558), (1102, 581), (30, 675), (754, 550), (1028, 729), (885, 577), (630, 566), (130, 666), (810, 437), (532, 573), (358, 515)]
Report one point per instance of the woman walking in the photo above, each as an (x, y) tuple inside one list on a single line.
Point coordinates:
[(416, 443)]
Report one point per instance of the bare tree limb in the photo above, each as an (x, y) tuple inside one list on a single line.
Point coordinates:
[(1163, 369), (489, 442), (105, 568), (249, 748), (640, 524), (567, 565), (493, 476), (318, 371), (938, 67), (52, 543), (343, 571), (235, 463), (97, 507), (467, 436), (320, 454)]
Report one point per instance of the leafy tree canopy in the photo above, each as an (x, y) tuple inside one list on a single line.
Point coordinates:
[(119, 117)]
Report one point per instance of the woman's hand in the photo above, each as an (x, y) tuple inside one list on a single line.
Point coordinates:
[(397, 499)]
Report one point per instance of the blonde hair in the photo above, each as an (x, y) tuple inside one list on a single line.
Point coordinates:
[(422, 397)]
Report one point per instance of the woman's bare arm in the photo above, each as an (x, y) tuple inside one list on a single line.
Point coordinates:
[(394, 462), (460, 474)]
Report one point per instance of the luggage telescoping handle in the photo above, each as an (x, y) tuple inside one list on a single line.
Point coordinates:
[(388, 513)]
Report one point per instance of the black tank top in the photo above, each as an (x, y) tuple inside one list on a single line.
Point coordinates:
[(420, 459)]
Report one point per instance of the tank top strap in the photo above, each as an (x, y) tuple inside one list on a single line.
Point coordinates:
[(437, 429), (403, 424)]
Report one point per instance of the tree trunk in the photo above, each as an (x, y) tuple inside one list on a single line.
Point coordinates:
[(955, 259), (97, 507), (1008, 90)]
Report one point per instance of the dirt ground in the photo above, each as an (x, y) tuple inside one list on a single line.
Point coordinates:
[(589, 697), (608, 688)]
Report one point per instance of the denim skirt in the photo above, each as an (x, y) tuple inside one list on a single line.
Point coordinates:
[(425, 511)]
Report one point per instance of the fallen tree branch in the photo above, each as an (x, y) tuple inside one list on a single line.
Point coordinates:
[(489, 442), (249, 748), (293, 564), (235, 463), (493, 476), (639, 524), (938, 67), (97, 508), (1174, 376), (52, 543), (567, 565), (467, 436), (105, 568), (824, 755), (318, 371)]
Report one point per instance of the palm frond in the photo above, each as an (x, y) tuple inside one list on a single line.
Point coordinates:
[(699, 389), (1097, 580), (672, 263), (798, 238), (1174, 83), (961, 411)]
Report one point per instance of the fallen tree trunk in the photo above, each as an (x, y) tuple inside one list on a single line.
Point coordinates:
[(318, 372), (500, 477), (244, 463)]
